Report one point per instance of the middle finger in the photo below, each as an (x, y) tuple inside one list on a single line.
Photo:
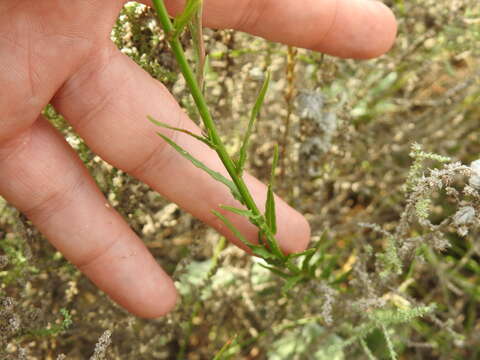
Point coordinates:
[(107, 103)]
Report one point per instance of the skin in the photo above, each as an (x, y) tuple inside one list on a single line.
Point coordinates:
[(59, 51)]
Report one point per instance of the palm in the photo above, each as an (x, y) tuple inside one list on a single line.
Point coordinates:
[(41, 49), (59, 51)]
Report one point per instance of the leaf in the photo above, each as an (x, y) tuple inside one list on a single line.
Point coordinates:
[(203, 139), (261, 236), (274, 165), (275, 271), (291, 282), (270, 213), (320, 245), (292, 267), (308, 252), (265, 235), (312, 268), (215, 175), (329, 266), (262, 252), (256, 249), (228, 345), (203, 68), (253, 117), (233, 229), (196, 30), (242, 212), (186, 16), (309, 256), (254, 219)]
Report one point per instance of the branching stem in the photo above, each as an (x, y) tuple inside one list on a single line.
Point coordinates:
[(207, 119)]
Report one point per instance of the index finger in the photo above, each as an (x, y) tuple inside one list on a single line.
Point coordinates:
[(359, 29)]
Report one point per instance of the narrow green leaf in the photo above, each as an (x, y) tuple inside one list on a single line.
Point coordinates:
[(291, 282), (262, 252), (215, 175), (206, 67), (270, 213), (254, 219), (228, 345), (310, 255), (274, 165), (270, 210), (390, 346), (203, 139), (256, 249), (266, 236), (318, 262), (275, 271), (182, 20), (201, 60), (307, 252), (292, 267), (367, 350), (261, 237), (253, 117), (329, 266), (242, 212), (233, 229)]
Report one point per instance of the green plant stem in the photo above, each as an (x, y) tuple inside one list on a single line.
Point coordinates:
[(207, 119)]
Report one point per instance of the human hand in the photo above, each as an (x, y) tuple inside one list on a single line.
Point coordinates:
[(60, 52)]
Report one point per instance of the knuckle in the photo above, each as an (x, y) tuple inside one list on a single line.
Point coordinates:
[(14, 144), (19, 110), (78, 89), (20, 104), (53, 201), (95, 255)]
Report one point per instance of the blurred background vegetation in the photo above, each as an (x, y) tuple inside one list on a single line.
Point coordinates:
[(397, 223)]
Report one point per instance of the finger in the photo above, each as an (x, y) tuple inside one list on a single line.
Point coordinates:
[(108, 101), (346, 28), (44, 178)]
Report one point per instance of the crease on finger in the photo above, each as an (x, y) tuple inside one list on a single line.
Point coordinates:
[(319, 42)]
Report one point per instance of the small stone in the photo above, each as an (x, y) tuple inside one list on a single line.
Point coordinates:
[(257, 74)]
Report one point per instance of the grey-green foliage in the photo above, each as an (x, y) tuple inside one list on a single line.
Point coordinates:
[(16, 264), (425, 90), (383, 319), (137, 35), (56, 329), (102, 345), (18, 325), (418, 166), (389, 259)]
